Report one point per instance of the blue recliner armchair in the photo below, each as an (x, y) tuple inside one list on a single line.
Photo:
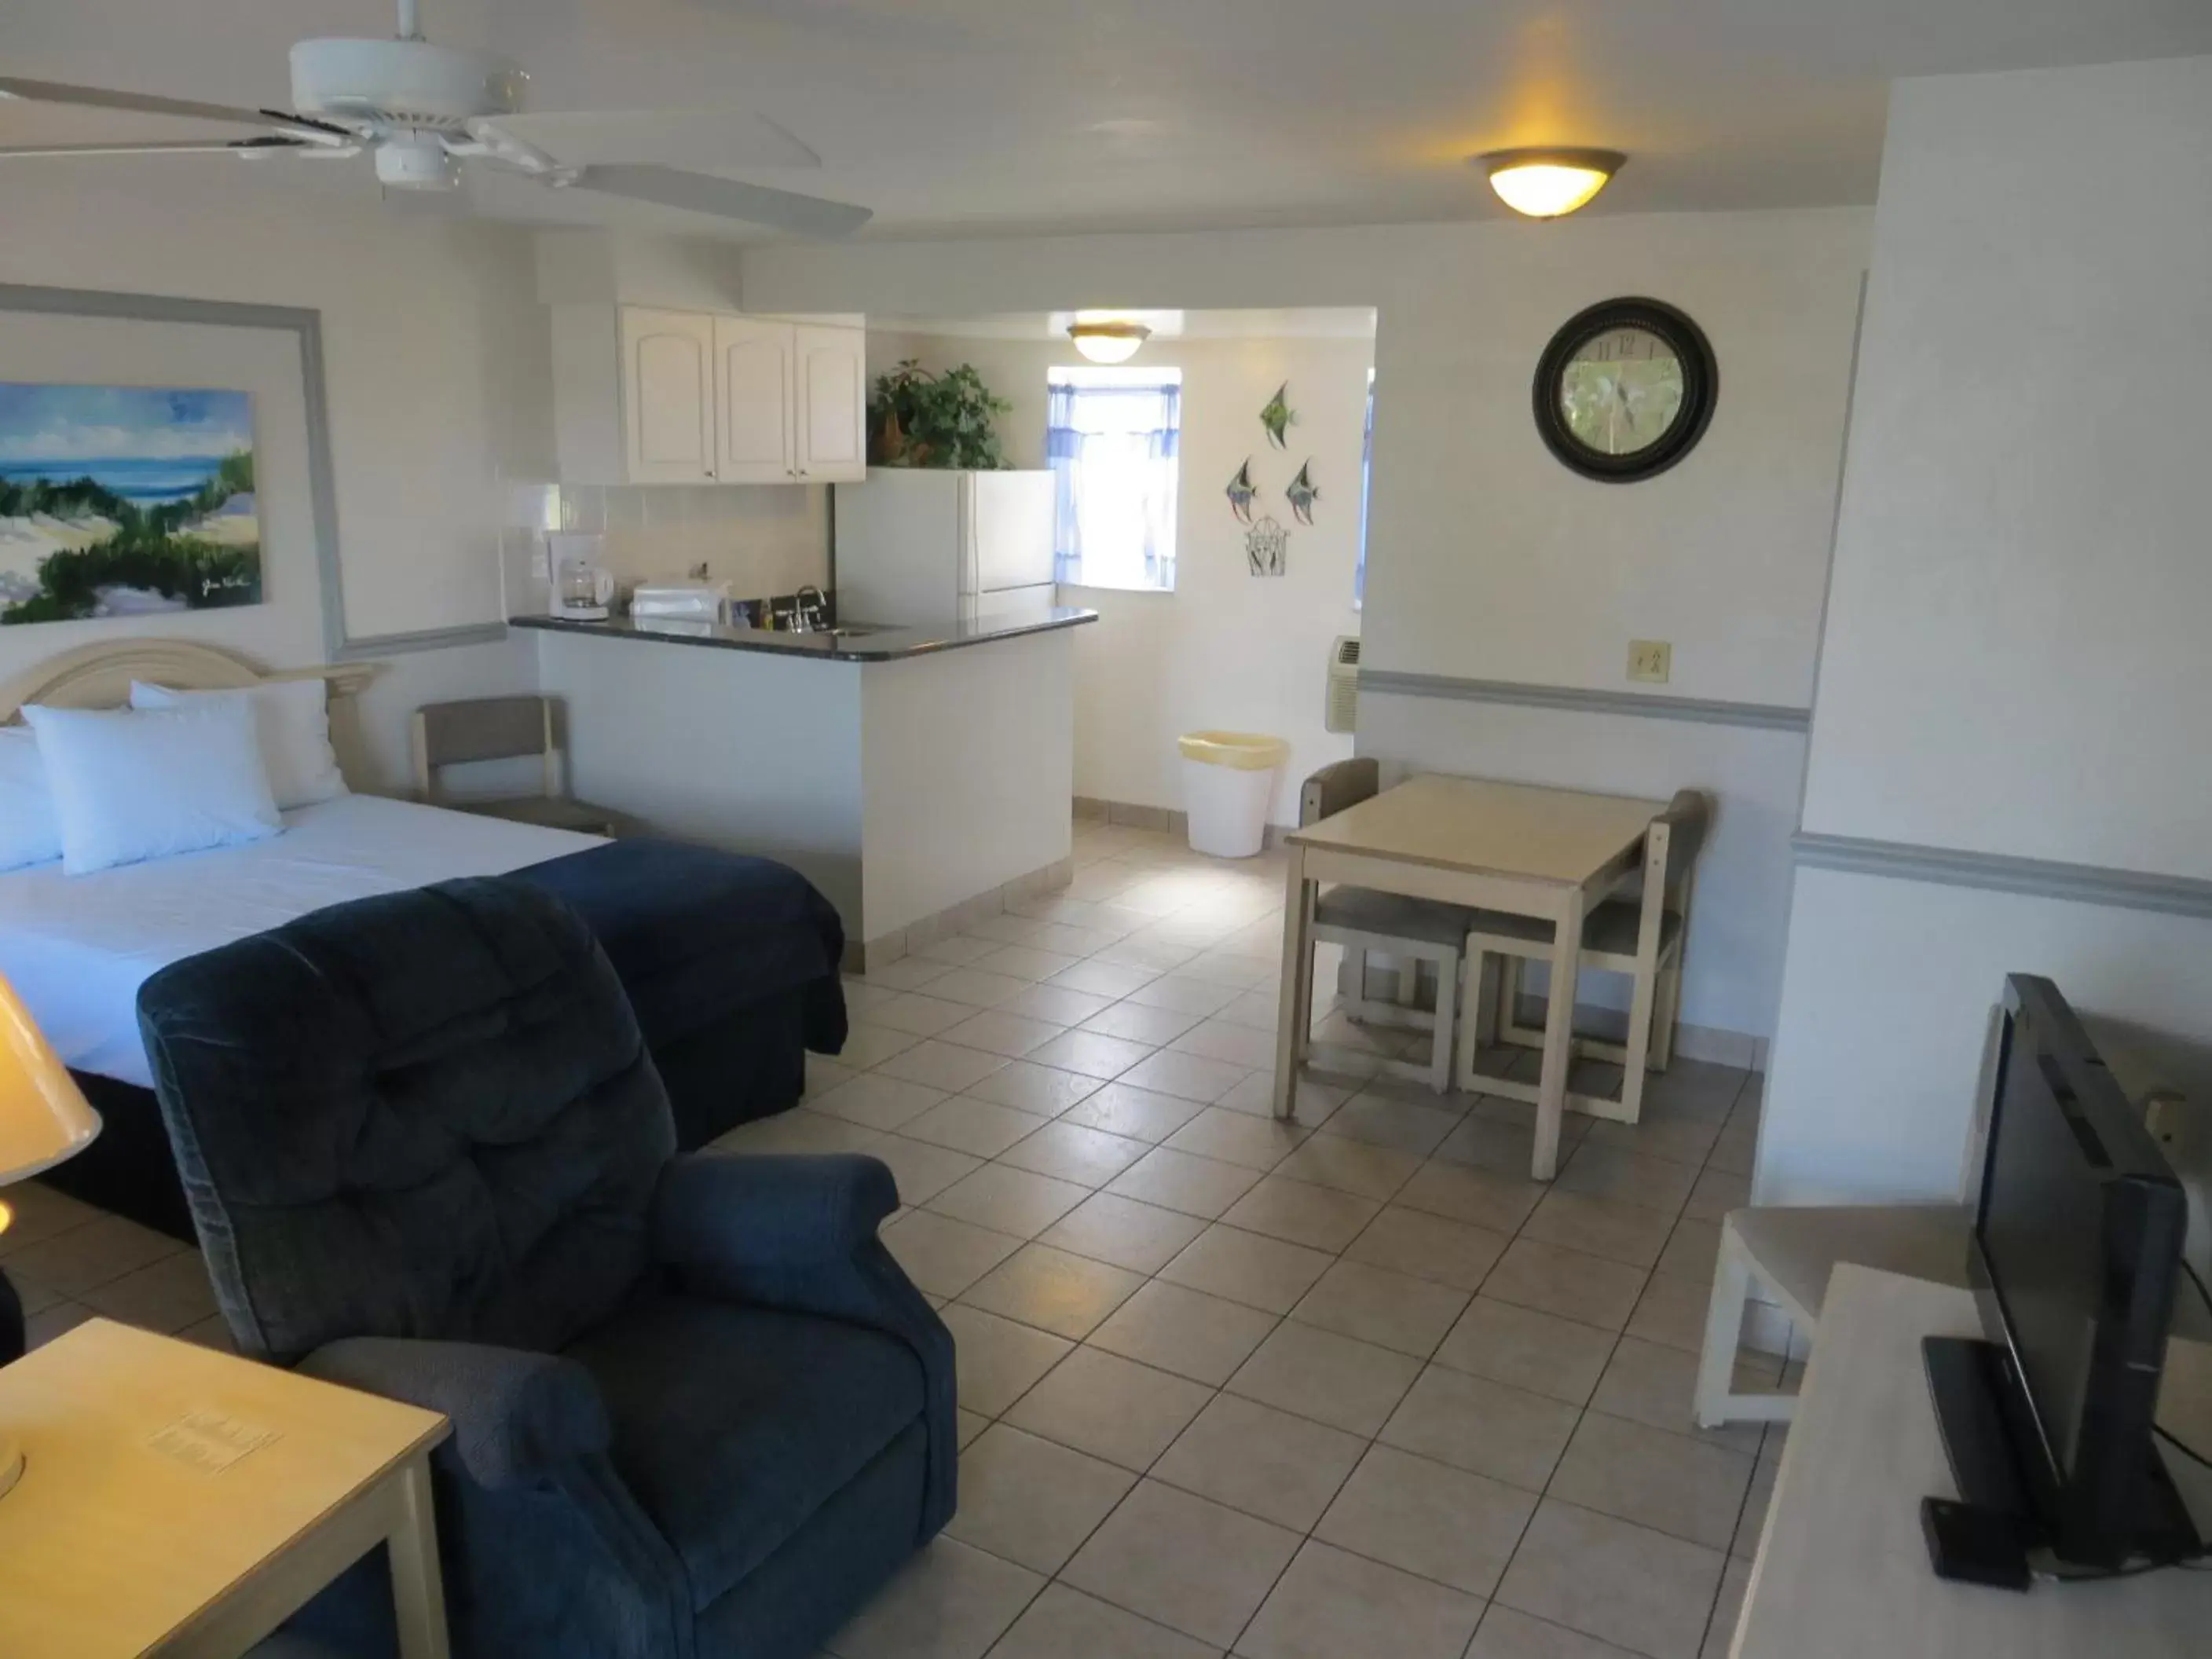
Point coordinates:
[(697, 1408)]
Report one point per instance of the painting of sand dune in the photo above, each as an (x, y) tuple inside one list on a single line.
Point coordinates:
[(121, 500)]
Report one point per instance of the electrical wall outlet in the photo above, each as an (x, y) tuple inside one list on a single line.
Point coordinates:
[(1650, 660)]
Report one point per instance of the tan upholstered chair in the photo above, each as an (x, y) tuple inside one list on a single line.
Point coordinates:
[(1409, 930), (1639, 937), (502, 728)]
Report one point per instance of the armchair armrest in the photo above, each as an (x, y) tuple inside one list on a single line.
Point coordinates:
[(749, 1210), (798, 1234), (515, 1415)]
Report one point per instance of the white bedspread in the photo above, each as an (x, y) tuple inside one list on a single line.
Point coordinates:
[(77, 948)]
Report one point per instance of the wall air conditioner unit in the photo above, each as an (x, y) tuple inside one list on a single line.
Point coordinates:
[(1342, 713)]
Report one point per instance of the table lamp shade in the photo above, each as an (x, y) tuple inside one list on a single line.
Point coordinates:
[(44, 1116)]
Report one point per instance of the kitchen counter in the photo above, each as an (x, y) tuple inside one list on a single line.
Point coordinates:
[(921, 785), (870, 643)]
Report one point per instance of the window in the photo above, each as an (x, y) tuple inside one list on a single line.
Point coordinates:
[(1111, 435), (1366, 493)]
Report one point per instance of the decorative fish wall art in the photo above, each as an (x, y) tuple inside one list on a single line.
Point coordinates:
[(1302, 495), (1243, 492), (1278, 417)]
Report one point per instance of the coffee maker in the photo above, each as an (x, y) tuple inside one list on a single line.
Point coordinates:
[(583, 587)]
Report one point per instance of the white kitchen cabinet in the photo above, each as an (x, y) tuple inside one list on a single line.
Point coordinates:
[(668, 391), (754, 400), (647, 396), (831, 413)]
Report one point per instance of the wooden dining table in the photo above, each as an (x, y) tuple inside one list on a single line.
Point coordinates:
[(1510, 847)]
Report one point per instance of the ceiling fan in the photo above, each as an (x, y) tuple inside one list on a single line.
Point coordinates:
[(424, 112)]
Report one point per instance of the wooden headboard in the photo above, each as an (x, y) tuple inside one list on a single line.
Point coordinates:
[(98, 676)]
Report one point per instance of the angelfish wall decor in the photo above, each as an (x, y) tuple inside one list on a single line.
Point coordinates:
[(1278, 417), (1243, 492), (1264, 546), (1302, 495)]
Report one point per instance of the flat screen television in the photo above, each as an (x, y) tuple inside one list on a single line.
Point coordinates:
[(2075, 1258)]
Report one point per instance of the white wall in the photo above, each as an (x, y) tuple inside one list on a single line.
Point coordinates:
[(763, 539), (435, 367), (735, 749), (1887, 1006), (1487, 561), (2014, 639), (2011, 661), (1226, 649), (1732, 971), (966, 768)]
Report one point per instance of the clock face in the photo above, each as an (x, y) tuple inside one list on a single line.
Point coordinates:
[(1624, 390), (1621, 392)]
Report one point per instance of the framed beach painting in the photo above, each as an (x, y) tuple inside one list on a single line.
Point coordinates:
[(119, 501)]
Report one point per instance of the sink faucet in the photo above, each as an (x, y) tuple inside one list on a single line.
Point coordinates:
[(807, 618)]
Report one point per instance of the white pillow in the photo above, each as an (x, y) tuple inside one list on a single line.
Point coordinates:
[(28, 834), (292, 720), (130, 785)]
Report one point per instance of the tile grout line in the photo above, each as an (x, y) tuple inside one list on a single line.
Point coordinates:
[(1675, 1217), (1359, 1086)]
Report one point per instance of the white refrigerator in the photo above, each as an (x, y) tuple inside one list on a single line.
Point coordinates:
[(918, 545)]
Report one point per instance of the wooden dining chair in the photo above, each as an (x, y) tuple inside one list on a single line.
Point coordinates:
[(1641, 936), (1408, 930)]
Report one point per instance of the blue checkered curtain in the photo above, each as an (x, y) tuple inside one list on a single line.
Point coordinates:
[(1113, 450), (1063, 448)]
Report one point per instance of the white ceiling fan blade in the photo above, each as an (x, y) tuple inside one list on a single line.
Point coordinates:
[(712, 138), (57, 92), (699, 192), (180, 147)]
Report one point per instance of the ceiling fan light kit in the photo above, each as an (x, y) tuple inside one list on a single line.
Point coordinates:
[(1549, 184), (425, 111)]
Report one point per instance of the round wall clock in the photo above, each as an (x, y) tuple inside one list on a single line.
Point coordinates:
[(1624, 390)]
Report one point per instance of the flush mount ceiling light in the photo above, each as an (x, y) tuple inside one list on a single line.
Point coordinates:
[(1548, 183), (1108, 341)]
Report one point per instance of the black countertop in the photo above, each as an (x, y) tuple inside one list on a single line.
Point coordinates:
[(874, 644)]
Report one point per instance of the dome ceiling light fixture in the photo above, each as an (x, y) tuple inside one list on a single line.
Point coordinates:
[(1548, 183), (1108, 340)]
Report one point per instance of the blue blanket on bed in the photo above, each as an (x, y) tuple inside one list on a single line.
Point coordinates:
[(693, 932)]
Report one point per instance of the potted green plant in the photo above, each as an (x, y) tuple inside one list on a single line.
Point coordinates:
[(918, 418)]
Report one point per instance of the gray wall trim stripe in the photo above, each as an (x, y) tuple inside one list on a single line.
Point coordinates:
[(428, 639), (308, 325), (2079, 884), (1770, 716)]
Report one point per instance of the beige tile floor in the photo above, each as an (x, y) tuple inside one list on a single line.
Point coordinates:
[(1347, 1386)]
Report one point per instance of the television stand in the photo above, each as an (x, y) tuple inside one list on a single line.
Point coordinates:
[(1842, 1570), (1986, 1537)]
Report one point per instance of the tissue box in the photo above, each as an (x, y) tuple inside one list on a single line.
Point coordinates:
[(693, 601)]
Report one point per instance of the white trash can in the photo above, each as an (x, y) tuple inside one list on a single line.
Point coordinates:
[(1228, 780)]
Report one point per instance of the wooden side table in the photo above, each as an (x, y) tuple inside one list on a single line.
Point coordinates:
[(179, 1501)]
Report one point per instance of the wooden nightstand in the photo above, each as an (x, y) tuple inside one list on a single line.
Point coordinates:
[(180, 1501)]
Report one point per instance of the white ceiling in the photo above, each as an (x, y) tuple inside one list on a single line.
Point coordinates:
[(1007, 115)]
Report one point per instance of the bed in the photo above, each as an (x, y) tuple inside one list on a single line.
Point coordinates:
[(731, 963)]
